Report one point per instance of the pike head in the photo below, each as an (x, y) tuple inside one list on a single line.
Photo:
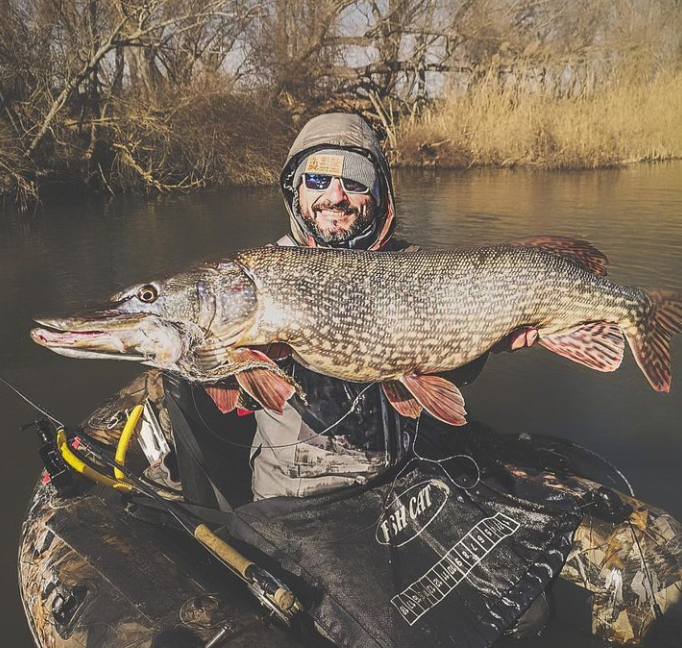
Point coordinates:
[(186, 323)]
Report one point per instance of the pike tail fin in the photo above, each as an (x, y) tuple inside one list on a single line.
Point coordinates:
[(650, 338)]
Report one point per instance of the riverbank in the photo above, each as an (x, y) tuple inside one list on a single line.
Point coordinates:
[(204, 137), (629, 122), (211, 137)]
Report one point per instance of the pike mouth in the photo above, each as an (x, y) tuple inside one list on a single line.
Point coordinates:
[(83, 338)]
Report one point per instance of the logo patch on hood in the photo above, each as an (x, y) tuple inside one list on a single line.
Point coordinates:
[(325, 163)]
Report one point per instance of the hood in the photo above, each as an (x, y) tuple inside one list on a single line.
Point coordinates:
[(346, 132)]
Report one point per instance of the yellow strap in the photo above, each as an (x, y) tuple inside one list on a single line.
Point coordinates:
[(124, 440), (80, 466)]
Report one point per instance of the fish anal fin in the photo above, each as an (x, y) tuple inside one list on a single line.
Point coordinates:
[(439, 397), (225, 395), (650, 339), (598, 345), (581, 252), (401, 399)]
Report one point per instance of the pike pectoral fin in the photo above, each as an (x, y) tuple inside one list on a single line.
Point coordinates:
[(439, 397), (401, 399), (598, 345), (270, 387), (225, 395)]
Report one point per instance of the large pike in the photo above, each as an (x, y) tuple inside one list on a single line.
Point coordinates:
[(390, 317)]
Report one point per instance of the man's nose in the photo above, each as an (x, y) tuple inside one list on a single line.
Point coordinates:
[(335, 192)]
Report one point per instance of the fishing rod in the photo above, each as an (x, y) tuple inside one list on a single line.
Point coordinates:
[(44, 411), (268, 588), (61, 457)]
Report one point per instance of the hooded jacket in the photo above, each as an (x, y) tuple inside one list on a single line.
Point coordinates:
[(345, 132), (344, 433)]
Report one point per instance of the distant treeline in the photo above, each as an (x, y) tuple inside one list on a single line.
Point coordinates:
[(164, 95)]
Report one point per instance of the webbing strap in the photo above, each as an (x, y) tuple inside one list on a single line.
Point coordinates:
[(197, 484)]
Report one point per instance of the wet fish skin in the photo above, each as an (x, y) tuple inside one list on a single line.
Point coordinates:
[(379, 316), (395, 317)]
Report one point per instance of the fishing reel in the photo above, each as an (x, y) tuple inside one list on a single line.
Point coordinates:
[(273, 594), (56, 468), (61, 461)]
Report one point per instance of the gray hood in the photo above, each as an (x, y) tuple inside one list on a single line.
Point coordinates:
[(346, 132)]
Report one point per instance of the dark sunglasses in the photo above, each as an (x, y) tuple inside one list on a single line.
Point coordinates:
[(320, 182)]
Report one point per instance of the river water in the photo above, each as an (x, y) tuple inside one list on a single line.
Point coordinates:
[(64, 255)]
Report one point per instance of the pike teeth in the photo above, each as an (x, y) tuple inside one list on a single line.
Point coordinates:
[(55, 324), (70, 325)]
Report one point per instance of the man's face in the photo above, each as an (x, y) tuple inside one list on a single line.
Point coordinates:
[(333, 214)]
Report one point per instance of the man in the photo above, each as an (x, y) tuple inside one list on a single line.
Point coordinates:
[(338, 192), (357, 215)]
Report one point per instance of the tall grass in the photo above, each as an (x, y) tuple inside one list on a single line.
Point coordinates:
[(208, 135), (629, 121)]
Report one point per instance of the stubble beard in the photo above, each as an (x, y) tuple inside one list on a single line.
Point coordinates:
[(337, 231)]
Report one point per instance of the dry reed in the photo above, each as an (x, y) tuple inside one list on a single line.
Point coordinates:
[(629, 121)]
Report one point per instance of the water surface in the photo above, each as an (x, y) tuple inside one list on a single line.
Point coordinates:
[(65, 255)]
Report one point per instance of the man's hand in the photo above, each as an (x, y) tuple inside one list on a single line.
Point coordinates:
[(526, 336)]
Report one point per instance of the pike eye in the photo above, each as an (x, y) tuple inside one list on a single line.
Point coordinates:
[(147, 294)]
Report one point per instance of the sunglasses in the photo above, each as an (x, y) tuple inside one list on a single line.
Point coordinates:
[(320, 182)]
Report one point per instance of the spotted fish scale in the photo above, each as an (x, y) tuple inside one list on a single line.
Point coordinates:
[(378, 316), (364, 316)]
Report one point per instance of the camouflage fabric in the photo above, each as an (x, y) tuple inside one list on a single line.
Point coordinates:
[(633, 568), (634, 571), (106, 422)]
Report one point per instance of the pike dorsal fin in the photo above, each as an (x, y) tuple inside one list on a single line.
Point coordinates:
[(439, 397), (581, 252), (598, 345)]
